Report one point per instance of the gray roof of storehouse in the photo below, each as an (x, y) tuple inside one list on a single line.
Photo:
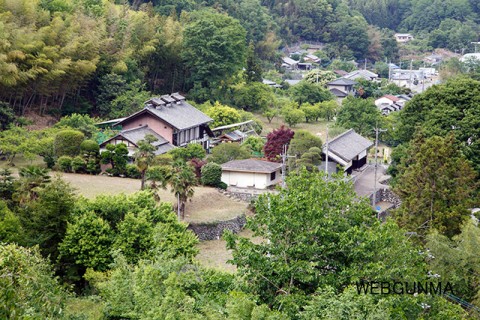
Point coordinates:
[(251, 165), (342, 82), (348, 145)]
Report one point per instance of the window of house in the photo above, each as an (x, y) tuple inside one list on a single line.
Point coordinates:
[(273, 176)]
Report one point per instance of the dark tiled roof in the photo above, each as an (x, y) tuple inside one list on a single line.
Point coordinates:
[(164, 148), (180, 115), (342, 82), (348, 145), (173, 110), (251, 165), (136, 134), (338, 93)]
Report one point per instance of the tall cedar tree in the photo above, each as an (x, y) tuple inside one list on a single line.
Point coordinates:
[(437, 186), (253, 70), (275, 142)]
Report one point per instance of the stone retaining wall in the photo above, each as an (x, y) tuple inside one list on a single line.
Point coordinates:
[(214, 230), (386, 195)]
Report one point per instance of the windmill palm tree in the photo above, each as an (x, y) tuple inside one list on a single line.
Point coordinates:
[(145, 156), (182, 182)]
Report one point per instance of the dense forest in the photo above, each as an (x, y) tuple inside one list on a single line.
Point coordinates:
[(106, 57)]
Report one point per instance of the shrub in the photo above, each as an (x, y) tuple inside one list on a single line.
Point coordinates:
[(192, 150), (67, 143), (225, 152), (93, 165), (211, 174), (293, 116), (64, 163), (89, 147), (78, 164), (222, 185), (132, 171)]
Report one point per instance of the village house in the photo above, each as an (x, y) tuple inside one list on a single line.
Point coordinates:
[(289, 63), (342, 84), (341, 88), (403, 37), (312, 58), (361, 74), (170, 119), (348, 150), (389, 103), (250, 173)]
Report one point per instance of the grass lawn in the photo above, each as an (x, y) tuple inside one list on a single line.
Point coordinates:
[(316, 128), (207, 203)]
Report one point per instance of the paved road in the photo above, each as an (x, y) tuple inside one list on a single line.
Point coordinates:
[(365, 180)]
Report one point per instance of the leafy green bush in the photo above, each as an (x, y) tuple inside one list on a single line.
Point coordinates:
[(78, 164), (132, 171), (89, 147), (93, 165), (222, 185), (80, 122), (211, 174), (293, 116), (64, 163), (225, 152), (67, 143)]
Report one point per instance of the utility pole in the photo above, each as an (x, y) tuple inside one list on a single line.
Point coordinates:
[(326, 155), (377, 130), (284, 164)]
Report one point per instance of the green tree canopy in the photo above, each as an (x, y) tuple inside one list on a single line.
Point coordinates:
[(359, 114), (446, 108), (437, 186), (311, 233), (29, 289), (215, 47), (225, 152)]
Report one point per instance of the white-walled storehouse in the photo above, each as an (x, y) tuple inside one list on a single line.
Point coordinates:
[(256, 174)]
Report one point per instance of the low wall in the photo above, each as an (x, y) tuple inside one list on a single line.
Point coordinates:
[(386, 195), (214, 230)]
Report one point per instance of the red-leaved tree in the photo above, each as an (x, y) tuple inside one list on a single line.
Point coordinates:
[(275, 142)]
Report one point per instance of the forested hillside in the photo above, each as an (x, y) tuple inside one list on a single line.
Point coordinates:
[(105, 57)]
